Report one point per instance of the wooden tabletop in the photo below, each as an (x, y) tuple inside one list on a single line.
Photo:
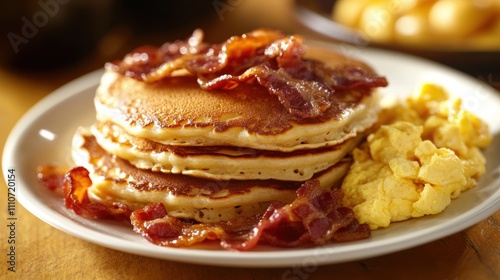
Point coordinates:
[(43, 252)]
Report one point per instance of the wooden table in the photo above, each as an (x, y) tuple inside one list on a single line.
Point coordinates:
[(44, 252)]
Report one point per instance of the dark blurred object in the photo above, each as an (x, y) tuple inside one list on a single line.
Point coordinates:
[(317, 16), (47, 34), (160, 15)]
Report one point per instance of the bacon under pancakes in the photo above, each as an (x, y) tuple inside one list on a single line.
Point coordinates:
[(316, 216), (73, 184)]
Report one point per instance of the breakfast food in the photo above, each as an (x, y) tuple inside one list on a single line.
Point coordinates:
[(242, 141), (426, 153), (260, 140), (449, 24)]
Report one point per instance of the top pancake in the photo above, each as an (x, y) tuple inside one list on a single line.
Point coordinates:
[(176, 111)]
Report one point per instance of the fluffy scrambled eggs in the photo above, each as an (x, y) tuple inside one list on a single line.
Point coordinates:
[(424, 154)]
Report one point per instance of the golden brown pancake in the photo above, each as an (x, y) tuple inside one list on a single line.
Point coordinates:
[(176, 111), (205, 200), (219, 162)]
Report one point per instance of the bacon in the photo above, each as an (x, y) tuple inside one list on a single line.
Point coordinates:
[(158, 227), (270, 58), (315, 217), (73, 185), (52, 177), (149, 63)]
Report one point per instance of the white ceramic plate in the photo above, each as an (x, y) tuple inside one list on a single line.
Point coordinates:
[(44, 134)]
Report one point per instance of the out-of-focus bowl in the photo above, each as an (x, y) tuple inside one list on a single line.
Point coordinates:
[(317, 16)]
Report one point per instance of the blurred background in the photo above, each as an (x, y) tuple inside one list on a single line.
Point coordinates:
[(45, 44), (50, 34), (47, 35), (464, 34)]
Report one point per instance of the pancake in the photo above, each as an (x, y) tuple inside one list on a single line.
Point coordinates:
[(176, 111), (204, 200), (219, 162)]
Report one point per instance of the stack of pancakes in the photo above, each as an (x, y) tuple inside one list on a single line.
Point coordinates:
[(214, 155)]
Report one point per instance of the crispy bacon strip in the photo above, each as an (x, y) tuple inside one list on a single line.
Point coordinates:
[(315, 217), (154, 223), (273, 60), (74, 184)]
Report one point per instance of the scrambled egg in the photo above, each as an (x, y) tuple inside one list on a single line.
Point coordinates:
[(425, 153)]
